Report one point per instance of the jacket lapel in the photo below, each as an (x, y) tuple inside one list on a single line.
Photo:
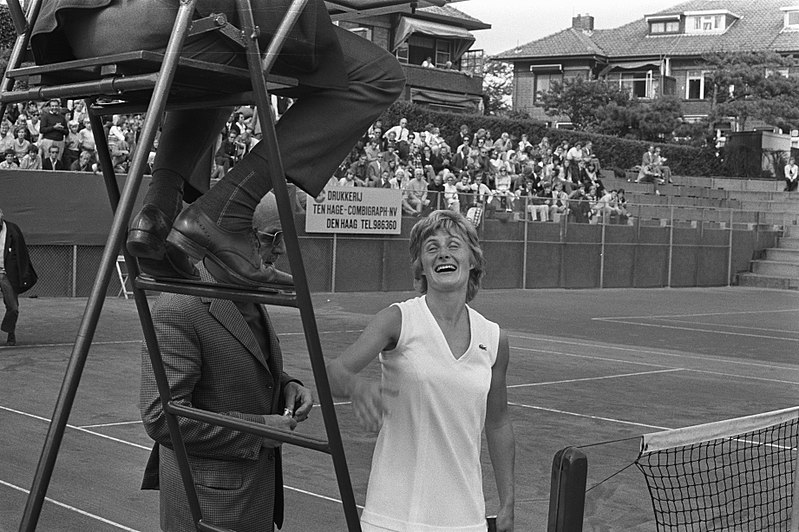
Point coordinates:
[(228, 315)]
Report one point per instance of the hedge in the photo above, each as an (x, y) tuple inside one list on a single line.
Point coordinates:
[(613, 152)]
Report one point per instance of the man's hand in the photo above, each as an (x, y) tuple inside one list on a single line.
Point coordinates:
[(277, 421), (299, 400)]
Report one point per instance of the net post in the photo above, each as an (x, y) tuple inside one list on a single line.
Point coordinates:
[(795, 502), (567, 491)]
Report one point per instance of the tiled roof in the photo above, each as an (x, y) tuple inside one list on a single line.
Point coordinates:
[(759, 28), (451, 13)]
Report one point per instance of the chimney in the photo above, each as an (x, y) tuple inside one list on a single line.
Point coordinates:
[(583, 23)]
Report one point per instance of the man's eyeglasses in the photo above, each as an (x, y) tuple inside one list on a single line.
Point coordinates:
[(273, 239)]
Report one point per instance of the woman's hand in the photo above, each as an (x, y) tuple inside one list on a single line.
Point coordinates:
[(367, 402)]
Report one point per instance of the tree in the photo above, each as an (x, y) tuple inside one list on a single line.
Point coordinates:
[(657, 120), (752, 85), (498, 87), (581, 100)]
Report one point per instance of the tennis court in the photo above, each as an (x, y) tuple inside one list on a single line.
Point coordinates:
[(587, 366)]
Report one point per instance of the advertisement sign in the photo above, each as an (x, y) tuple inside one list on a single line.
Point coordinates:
[(359, 210)]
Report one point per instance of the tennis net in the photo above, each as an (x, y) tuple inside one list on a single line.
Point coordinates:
[(738, 474)]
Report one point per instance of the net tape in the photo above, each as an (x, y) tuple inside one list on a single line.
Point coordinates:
[(730, 475)]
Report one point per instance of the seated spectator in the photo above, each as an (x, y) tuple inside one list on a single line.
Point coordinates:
[(350, 179), (21, 143), (31, 160), (560, 202), (7, 137), (649, 171), (503, 143), (579, 206), (84, 163), (464, 187), (451, 194), (384, 181), (502, 189), (400, 131), (8, 162), (52, 161), (621, 204), (87, 137), (435, 191), (538, 203), (229, 152), (400, 179), (791, 174), (607, 206), (660, 168), (415, 198)]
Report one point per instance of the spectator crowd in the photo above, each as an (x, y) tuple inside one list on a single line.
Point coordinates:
[(471, 172)]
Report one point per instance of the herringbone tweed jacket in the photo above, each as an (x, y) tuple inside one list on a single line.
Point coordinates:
[(213, 362)]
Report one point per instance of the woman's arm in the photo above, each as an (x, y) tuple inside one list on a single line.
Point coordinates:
[(380, 334), (500, 438)]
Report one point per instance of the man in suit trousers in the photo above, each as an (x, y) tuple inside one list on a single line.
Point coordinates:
[(16, 274), (225, 357), (344, 83), (52, 162)]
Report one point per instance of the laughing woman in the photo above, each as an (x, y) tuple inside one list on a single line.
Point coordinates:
[(443, 382)]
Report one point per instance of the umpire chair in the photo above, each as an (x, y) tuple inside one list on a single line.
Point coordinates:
[(144, 81)]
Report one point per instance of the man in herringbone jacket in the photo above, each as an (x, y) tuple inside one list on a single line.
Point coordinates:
[(225, 357)]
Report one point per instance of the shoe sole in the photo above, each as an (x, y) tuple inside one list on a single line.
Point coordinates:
[(144, 245), (199, 253)]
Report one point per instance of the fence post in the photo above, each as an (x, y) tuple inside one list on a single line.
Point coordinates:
[(74, 270), (524, 251), (602, 254), (333, 267), (729, 253), (671, 243)]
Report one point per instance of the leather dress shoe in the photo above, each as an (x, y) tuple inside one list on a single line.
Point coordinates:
[(234, 253), (147, 242), (12, 339), (147, 233)]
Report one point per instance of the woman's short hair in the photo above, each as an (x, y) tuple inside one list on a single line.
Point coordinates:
[(453, 223)]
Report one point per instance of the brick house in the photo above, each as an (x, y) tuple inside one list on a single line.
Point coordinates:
[(660, 54), (434, 30)]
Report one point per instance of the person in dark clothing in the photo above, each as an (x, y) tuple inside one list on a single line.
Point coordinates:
[(16, 275)]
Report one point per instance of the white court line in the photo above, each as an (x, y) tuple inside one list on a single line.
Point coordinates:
[(101, 425), (70, 344), (647, 351), (695, 329), (72, 508), (40, 418), (762, 329), (312, 494), (598, 418), (598, 378), (606, 359), (738, 312)]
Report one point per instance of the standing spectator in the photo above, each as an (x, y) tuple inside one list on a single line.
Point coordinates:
[(16, 275), (791, 174), (71, 144), (87, 137), (560, 203), (7, 138), (32, 160), (443, 383), (435, 191), (8, 162), (451, 193), (53, 162), (400, 131), (53, 127)]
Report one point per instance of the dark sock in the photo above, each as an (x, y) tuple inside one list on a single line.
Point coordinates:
[(165, 192), (232, 201)]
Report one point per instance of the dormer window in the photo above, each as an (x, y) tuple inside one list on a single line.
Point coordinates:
[(791, 17), (708, 21), (660, 24)]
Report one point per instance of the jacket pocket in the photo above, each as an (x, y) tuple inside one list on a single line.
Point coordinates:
[(218, 474)]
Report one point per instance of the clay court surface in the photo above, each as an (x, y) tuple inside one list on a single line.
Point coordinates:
[(587, 366)]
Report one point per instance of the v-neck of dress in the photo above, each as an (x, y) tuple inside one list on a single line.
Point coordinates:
[(444, 337)]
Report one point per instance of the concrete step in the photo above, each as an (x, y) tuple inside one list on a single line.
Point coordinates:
[(783, 255), (767, 281), (789, 243), (776, 268)]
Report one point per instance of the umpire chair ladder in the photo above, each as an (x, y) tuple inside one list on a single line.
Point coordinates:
[(157, 82)]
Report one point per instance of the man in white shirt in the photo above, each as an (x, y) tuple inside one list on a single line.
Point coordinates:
[(401, 130), (791, 174)]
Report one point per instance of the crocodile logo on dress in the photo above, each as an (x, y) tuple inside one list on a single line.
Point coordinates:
[(483, 347)]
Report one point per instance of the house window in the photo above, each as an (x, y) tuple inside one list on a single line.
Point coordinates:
[(543, 83), (792, 20), (672, 27), (656, 28), (695, 85), (363, 32), (705, 23), (402, 53), (443, 53)]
